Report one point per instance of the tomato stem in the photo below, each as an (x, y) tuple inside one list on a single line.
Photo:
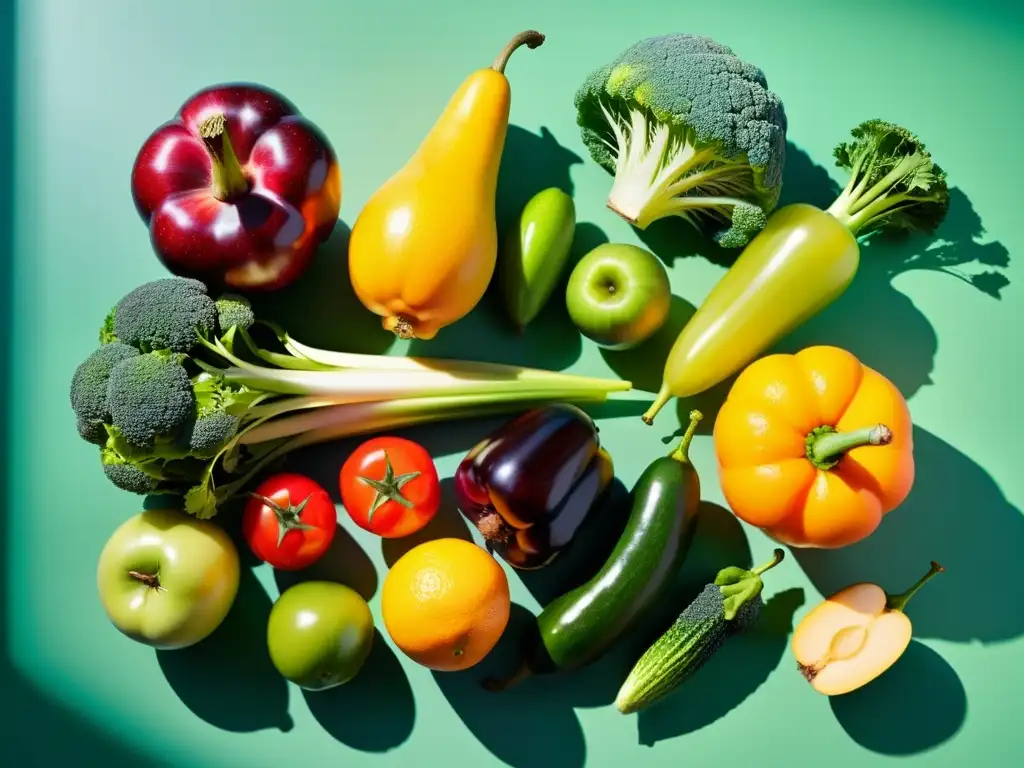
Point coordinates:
[(288, 517), (389, 488)]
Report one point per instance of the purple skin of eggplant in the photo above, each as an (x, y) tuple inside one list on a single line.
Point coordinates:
[(530, 485)]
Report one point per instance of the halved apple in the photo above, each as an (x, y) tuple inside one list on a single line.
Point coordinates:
[(854, 636)]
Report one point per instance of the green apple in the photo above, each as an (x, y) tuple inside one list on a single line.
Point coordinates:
[(168, 579), (618, 295), (319, 634)]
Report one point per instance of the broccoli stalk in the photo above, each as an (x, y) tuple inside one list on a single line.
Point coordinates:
[(181, 399), (688, 130), (893, 184)]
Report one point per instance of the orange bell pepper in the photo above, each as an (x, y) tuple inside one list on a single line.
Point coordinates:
[(814, 448)]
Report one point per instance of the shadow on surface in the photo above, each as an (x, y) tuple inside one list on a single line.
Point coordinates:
[(375, 711), (530, 163), (321, 309), (735, 672), (228, 679), (915, 706), (448, 523), (980, 554), (344, 562), (521, 727)]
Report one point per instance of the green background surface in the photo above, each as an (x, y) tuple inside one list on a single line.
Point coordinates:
[(941, 318)]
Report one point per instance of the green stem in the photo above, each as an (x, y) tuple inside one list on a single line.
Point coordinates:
[(229, 181), (288, 517), (664, 395), (530, 38), (777, 557), (825, 446), (899, 602), (682, 452)]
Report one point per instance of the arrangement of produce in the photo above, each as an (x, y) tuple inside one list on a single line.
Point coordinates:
[(805, 258), (190, 399)]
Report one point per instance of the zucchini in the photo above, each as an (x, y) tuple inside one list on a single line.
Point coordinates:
[(729, 605), (581, 625)]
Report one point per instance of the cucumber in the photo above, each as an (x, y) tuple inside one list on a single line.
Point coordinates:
[(581, 625), (727, 606)]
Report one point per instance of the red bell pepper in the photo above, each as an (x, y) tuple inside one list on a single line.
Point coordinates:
[(238, 189)]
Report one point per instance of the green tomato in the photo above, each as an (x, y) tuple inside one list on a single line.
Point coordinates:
[(618, 295), (168, 579), (319, 634)]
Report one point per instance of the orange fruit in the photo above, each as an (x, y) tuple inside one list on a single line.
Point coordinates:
[(445, 604)]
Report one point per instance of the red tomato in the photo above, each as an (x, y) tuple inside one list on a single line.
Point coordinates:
[(289, 521), (389, 486)]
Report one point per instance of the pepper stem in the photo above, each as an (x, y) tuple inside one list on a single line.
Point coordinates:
[(228, 180), (899, 602), (682, 452), (530, 38), (664, 395), (825, 446), (777, 557)]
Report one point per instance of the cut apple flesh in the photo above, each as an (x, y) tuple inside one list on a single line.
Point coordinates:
[(850, 639)]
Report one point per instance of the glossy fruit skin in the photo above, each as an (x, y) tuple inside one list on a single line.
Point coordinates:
[(391, 519), (537, 478), (299, 547), (196, 567), (445, 603), (535, 251), (580, 626), (319, 634), (801, 262), (761, 434), (424, 247), (618, 295), (263, 239)]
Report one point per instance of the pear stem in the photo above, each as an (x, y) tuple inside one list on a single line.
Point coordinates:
[(777, 557), (530, 38), (228, 180), (682, 452), (899, 602)]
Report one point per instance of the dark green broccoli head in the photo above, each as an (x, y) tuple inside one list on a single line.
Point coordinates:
[(166, 314), (89, 390), (150, 398), (234, 311), (681, 117)]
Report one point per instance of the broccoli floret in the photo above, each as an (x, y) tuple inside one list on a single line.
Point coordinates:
[(89, 390), (690, 130), (167, 314), (207, 434), (234, 311), (127, 475), (150, 398), (894, 183)]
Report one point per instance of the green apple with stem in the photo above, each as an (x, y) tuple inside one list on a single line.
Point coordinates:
[(167, 579), (618, 295)]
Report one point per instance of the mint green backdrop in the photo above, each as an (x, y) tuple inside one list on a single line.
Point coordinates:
[(942, 319)]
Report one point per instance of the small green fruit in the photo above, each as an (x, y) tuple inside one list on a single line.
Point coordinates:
[(618, 295), (534, 254), (319, 634)]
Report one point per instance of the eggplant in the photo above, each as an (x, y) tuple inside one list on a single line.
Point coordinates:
[(529, 486)]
